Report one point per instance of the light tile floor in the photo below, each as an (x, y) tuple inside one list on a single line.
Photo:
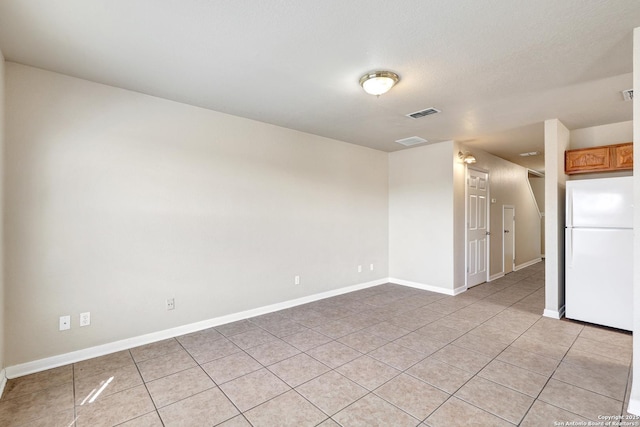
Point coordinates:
[(383, 356)]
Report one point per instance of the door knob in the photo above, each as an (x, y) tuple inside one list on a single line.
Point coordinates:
[(506, 231)]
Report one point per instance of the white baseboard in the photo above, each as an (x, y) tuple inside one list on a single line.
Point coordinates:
[(125, 344), (426, 287), (496, 276), (459, 289), (3, 381), (527, 264), (554, 314)]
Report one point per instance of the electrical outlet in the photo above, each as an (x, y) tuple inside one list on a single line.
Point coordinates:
[(296, 280), (85, 319), (371, 267), (65, 323), (359, 269), (171, 304)]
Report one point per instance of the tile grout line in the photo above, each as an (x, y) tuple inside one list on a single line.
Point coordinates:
[(551, 377), (73, 380), (212, 380), (153, 402)]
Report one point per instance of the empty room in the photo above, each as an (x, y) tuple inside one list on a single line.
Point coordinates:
[(284, 213)]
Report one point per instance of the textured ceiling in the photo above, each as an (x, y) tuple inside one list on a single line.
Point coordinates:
[(496, 69)]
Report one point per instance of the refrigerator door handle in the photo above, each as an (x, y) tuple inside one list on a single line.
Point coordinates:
[(569, 254)]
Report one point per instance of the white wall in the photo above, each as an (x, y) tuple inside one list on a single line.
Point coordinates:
[(634, 401), (556, 142), (508, 185), (421, 215), (595, 136), (117, 201)]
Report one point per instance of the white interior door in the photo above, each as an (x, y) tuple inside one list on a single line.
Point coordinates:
[(477, 226), (508, 238)]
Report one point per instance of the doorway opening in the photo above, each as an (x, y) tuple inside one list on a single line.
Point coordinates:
[(508, 238)]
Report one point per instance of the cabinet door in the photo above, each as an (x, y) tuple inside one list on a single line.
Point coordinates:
[(587, 160), (623, 156)]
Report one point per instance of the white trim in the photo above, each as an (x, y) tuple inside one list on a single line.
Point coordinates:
[(496, 276), (3, 381), (426, 287), (634, 407), (125, 344), (554, 314), (527, 264), (459, 289)]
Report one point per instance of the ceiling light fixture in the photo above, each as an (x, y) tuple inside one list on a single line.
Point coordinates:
[(378, 82), (467, 157)]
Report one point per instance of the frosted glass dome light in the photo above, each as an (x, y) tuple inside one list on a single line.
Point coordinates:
[(378, 82)]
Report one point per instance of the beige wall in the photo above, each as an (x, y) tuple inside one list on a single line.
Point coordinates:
[(508, 185), (421, 215), (2, 286), (117, 201), (556, 142)]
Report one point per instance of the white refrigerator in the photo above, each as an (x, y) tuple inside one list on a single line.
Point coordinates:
[(599, 251)]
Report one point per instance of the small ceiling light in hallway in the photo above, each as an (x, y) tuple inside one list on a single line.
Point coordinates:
[(467, 157)]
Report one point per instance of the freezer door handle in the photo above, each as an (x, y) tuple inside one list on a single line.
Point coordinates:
[(569, 207)]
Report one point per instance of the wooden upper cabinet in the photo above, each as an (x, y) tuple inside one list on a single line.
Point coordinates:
[(587, 160), (599, 159), (623, 156)]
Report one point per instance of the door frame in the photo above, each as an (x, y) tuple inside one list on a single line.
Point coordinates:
[(513, 238), (466, 222)]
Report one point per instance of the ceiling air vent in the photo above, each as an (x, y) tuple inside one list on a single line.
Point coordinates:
[(627, 94), (412, 140), (425, 112), (529, 154)]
